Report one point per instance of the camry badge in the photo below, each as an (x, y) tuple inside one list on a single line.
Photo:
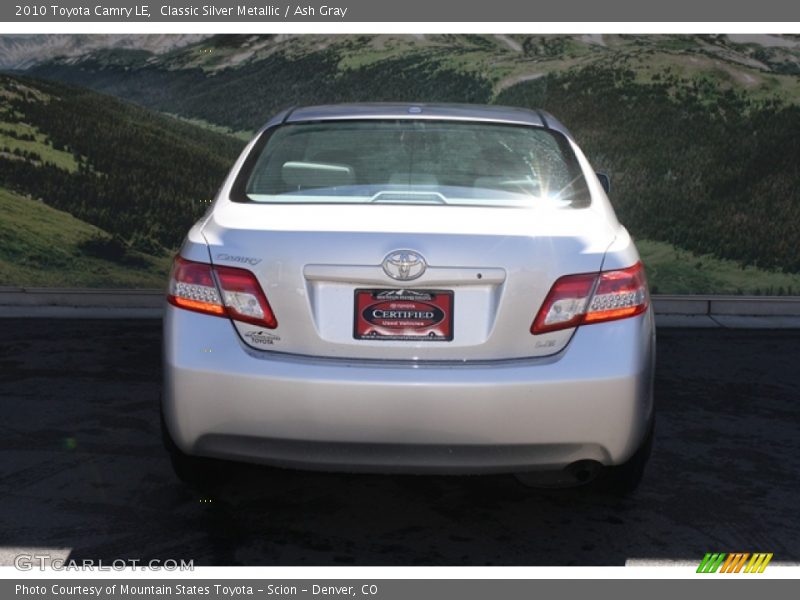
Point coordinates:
[(404, 265)]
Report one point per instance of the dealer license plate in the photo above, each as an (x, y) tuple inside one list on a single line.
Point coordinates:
[(411, 315)]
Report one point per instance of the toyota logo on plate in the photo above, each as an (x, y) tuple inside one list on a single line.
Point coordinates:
[(404, 265)]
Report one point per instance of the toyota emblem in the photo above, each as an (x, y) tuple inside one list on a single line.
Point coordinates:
[(404, 265)]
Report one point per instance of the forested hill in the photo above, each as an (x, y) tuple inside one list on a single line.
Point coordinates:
[(700, 133), (140, 175), (705, 168), (239, 81)]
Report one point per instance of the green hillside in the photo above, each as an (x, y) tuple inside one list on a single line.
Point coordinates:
[(708, 169), (42, 246), (699, 132), (142, 176), (672, 270)]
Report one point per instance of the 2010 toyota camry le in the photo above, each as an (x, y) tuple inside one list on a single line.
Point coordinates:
[(419, 288)]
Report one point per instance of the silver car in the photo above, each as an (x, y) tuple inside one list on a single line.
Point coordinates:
[(411, 288)]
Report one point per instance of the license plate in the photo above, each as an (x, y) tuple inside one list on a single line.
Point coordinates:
[(411, 315)]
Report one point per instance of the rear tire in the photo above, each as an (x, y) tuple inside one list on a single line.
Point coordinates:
[(624, 479), (619, 480), (200, 473)]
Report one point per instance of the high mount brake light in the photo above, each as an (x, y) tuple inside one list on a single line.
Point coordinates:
[(593, 298), (219, 291)]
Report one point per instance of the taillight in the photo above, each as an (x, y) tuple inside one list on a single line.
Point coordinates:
[(220, 291), (191, 286), (244, 298), (619, 294), (593, 298)]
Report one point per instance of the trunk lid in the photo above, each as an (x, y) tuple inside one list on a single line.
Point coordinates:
[(499, 264)]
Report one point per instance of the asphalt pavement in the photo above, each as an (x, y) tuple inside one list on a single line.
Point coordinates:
[(83, 474)]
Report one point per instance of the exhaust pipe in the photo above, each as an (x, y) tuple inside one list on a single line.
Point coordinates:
[(575, 474)]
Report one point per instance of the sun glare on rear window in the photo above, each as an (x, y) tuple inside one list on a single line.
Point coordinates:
[(412, 162)]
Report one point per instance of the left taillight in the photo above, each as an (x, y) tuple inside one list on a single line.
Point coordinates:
[(593, 298), (219, 291)]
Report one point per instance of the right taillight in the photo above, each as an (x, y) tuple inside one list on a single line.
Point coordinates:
[(593, 298), (219, 291)]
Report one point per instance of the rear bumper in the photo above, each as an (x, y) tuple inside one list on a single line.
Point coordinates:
[(592, 401)]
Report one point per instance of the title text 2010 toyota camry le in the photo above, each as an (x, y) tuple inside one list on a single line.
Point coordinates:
[(412, 288)]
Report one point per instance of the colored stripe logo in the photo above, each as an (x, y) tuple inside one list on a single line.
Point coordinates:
[(735, 562)]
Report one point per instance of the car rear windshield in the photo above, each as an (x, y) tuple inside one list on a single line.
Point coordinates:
[(412, 162)]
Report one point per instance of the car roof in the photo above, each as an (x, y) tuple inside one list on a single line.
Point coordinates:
[(421, 110)]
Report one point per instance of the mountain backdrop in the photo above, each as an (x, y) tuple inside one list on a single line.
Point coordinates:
[(701, 134)]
